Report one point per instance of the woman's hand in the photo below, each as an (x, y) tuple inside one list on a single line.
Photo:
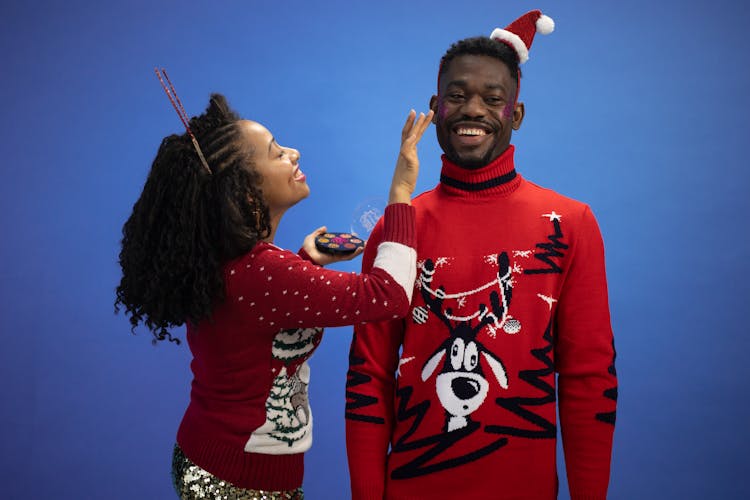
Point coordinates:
[(407, 166), (322, 258)]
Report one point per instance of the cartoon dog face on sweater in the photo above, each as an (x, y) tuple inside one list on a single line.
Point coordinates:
[(461, 384)]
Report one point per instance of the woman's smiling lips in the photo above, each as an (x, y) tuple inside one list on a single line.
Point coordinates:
[(298, 175)]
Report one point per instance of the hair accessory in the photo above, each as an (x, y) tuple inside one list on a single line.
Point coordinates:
[(520, 33), (177, 105)]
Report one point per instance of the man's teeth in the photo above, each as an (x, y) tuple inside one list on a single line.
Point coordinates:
[(471, 131)]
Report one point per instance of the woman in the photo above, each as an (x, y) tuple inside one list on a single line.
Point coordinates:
[(198, 249)]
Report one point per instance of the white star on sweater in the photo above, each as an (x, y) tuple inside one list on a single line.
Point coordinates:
[(548, 300), (553, 216)]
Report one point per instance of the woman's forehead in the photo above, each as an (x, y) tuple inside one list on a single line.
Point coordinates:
[(254, 129)]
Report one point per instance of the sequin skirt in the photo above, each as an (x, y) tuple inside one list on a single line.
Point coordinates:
[(191, 482)]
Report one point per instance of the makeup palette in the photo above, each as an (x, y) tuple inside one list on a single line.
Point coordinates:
[(338, 243)]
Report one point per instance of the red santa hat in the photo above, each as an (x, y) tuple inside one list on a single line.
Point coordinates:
[(520, 33)]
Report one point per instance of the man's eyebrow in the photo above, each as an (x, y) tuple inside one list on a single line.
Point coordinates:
[(457, 83), (270, 143), (462, 84), (495, 86)]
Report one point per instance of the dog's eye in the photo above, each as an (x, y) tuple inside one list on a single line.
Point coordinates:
[(457, 353), (471, 356)]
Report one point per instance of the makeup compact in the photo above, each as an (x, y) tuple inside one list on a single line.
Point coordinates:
[(338, 243)]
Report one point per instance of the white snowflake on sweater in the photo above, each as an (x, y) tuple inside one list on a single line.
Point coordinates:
[(442, 261)]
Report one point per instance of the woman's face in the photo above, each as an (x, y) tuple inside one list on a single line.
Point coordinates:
[(284, 184)]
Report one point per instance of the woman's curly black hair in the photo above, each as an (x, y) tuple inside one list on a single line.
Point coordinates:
[(187, 223)]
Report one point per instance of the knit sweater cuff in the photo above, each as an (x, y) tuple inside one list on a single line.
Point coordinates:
[(305, 256), (399, 224)]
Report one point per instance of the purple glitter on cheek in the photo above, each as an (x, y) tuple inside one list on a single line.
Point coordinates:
[(508, 111), (442, 112)]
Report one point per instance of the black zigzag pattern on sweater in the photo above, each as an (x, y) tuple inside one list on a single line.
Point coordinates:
[(551, 249), (518, 405), (435, 445), (355, 400), (611, 393)]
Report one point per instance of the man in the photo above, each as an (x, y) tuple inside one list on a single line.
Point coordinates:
[(459, 399)]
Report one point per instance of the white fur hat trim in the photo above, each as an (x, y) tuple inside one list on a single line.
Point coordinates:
[(514, 41)]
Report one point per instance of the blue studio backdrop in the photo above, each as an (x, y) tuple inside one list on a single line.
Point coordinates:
[(638, 108)]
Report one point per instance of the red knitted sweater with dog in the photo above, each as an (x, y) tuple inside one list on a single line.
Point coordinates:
[(459, 400)]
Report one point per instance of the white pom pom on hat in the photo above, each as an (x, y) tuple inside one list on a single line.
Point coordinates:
[(519, 34), (545, 25)]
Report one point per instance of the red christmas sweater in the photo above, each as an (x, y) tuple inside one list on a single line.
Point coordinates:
[(249, 421), (459, 399)]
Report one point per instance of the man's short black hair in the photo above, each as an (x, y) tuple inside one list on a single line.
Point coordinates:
[(482, 46)]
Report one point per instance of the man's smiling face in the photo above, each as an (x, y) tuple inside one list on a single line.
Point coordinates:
[(476, 111)]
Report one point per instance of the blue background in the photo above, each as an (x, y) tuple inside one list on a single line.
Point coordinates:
[(639, 108)]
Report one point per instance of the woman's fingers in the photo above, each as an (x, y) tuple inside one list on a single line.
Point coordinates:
[(420, 125), (406, 131), (355, 254), (425, 123), (407, 165), (417, 130)]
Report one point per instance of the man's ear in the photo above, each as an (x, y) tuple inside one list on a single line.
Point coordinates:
[(434, 108), (518, 113)]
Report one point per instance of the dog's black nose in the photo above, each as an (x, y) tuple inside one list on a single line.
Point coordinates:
[(464, 387)]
